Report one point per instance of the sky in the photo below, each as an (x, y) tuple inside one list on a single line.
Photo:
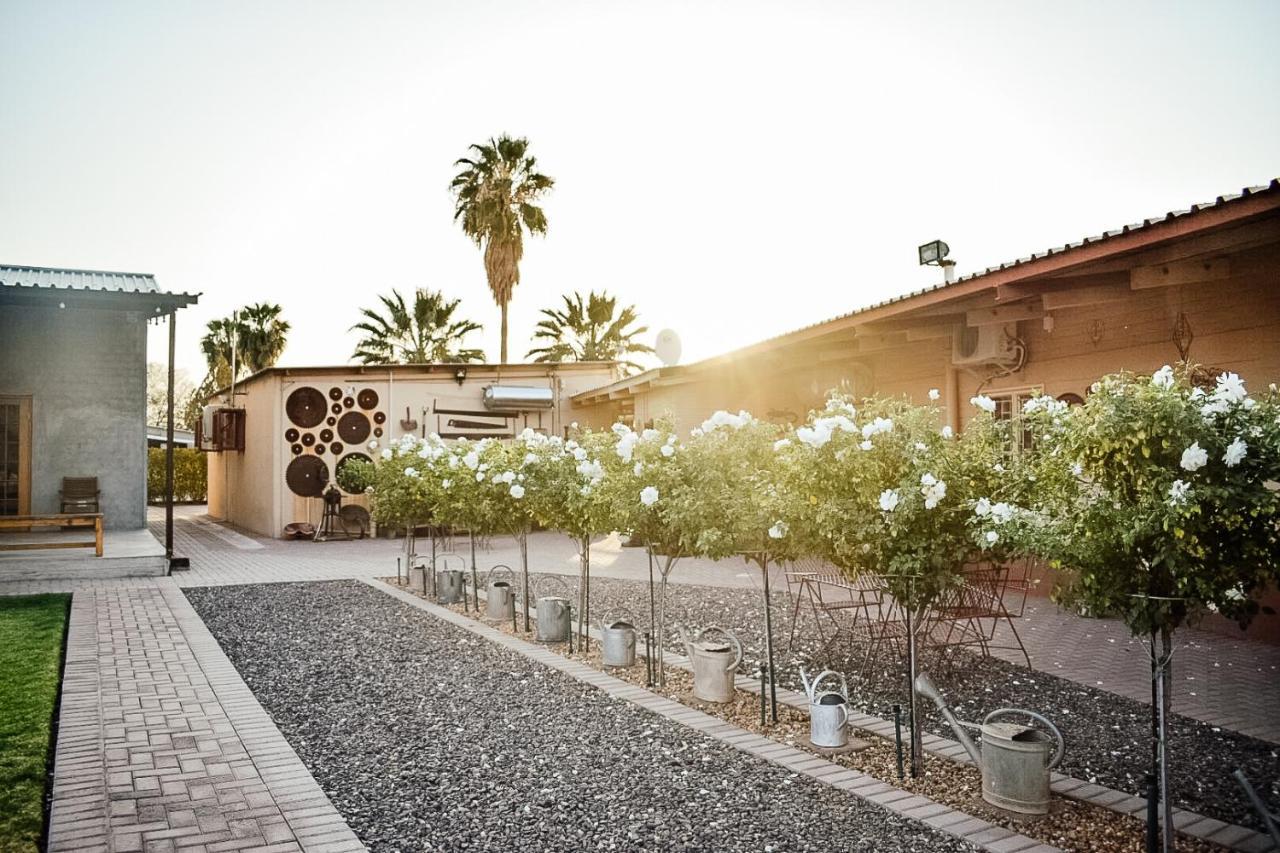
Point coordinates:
[(736, 170)]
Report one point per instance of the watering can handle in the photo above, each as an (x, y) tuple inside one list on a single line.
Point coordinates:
[(622, 611), (732, 637), (844, 714), (537, 587), (844, 686), (1009, 712), (502, 570)]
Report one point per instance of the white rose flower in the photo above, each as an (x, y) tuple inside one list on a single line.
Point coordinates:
[(781, 443), (1194, 457), (982, 401), (1163, 378), (921, 446), (778, 530), (933, 394), (946, 432), (648, 496), (387, 454), (866, 444), (1178, 492), (650, 435), (639, 469), (1077, 469), (1230, 388), (1001, 512), (517, 491), (373, 445), (888, 500), (992, 537), (509, 477), (444, 484), (668, 451), (479, 476), (471, 460), (1235, 454), (982, 508), (580, 453), (411, 472)]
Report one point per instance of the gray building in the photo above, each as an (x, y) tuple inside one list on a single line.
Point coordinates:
[(73, 375)]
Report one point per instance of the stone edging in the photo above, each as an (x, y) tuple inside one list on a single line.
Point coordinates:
[(976, 831), (78, 813), (315, 823), (1231, 836)]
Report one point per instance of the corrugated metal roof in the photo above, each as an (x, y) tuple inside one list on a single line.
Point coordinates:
[(99, 280)]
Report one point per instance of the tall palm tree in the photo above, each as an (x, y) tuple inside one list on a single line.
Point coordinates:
[(590, 330), (495, 192), (255, 333), (262, 335), (427, 333)]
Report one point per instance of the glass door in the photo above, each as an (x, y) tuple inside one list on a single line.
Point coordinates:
[(15, 455)]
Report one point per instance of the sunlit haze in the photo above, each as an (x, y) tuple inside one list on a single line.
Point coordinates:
[(736, 170)]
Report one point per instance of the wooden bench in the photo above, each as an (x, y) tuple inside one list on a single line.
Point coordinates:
[(27, 522)]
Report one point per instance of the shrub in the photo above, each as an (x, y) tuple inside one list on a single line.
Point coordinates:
[(190, 475)]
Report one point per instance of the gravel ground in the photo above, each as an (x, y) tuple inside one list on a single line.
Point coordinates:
[(427, 738), (1107, 735)]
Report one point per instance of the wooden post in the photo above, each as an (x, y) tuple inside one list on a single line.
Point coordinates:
[(97, 535)]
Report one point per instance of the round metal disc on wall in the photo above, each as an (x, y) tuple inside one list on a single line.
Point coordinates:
[(377, 432), (368, 399), (353, 428), (308, 439), (350, 457), (319, 450), (305, 407), (307, 476), (336, 408), (335, 393), (379, 418), (326, 435), (291, 435), (296, 448), (348, 402), (331, 421)]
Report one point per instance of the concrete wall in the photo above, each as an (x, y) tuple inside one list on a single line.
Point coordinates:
[(86, 373)]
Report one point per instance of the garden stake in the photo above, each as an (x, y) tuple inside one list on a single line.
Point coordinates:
[(466, 601), (648, 659), (514, 627), (768, 639), (398, 560), (897, 736), (652, 618), (571, 628), (763, 722), (1153, 815), (524, 565)]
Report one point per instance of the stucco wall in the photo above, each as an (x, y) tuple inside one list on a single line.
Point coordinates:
[(86, 374)]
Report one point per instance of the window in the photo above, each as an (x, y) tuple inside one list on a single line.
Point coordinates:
[(1009, 408)]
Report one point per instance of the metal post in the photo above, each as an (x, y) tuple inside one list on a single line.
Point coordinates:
[(168, 450), (914, 720), (653, 625), (763, 720), (398, 571), (768, 639), (524, 563), (648, 659), (1166, 824), (1153, 815), (897, 736)]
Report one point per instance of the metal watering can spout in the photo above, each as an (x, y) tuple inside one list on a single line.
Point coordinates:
[(808, 686), (685, 640), (925, 687)]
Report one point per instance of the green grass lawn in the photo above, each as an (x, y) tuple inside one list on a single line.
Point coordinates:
[(31, 632)]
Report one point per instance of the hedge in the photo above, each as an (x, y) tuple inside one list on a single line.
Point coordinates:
[(190, 475)]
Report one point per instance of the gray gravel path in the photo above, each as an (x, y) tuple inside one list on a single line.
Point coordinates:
[(428, 738)]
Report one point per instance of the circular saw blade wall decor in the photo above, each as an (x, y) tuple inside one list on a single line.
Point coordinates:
[(307, 476), (326, 435), (342, 463), (305, 407), (353, 427), (291, 435), (335, 394), (379, 418), (368, 399), (308, 439)]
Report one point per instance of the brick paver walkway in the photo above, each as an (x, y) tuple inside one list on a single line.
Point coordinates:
[(162, 747)]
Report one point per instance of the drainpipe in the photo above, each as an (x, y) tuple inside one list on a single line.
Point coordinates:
[(952, 385)]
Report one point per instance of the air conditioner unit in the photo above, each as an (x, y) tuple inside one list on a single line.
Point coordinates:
[(991, 344), (517, 398), (205, 430)]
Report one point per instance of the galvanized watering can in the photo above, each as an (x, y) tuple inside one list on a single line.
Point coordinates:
[(714, 663), (618, 639), (449, 589), (1015, 758), (553, 612), (500, 604), (418, 579), (828, 712)]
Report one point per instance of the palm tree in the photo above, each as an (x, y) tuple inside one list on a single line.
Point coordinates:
[(428, 333), (495, 193), (593, 330), (256, 334), (262, 336)]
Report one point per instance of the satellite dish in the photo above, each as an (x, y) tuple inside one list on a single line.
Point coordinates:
[(668, 347)]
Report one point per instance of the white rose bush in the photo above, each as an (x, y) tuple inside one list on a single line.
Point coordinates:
[(1159, 499)]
